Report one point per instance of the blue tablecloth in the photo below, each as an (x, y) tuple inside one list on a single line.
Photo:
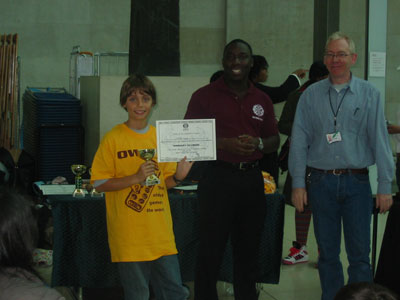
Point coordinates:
[(81, 256)]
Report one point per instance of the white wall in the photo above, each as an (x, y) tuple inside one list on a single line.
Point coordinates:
[(102, 111), (281, 30)]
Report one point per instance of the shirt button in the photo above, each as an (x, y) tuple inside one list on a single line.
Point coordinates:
[(337, 156)]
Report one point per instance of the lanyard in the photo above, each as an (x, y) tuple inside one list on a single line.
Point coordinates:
[(337, 109)]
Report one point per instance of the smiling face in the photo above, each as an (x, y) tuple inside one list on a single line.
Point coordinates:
[(237, 62), (339, 59), (138, 105)]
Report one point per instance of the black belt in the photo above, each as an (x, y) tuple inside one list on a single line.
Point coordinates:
[(236, 166), (343, 171)]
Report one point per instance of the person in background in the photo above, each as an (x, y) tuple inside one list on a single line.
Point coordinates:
[(231, 192), (338, 132), (298, 253), (139, 222), (258, 75), (365, 291), (18, 237)]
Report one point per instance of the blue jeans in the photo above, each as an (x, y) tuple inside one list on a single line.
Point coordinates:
[(163, 274), (337, 199)]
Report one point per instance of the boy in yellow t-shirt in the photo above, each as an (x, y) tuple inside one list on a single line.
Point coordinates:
[(139, 221)]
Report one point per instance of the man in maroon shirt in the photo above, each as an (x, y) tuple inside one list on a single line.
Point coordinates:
[(231, 192)]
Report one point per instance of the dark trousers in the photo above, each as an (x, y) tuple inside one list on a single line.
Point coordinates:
[(269, 163), (232, 203)]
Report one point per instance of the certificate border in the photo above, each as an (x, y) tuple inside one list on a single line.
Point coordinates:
[(172, 159)]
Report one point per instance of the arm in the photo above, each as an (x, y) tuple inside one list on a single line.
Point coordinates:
[(384, 202), (197, 107), (280, 93), (299, 198), (146, 169), (379, 138), (245, 144), (182, 169), (300, 140), (300, 73), (116, 184), (286, 120), (271, 144)]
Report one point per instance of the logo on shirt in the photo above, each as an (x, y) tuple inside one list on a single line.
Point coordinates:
[(140, 195), (258, 110)]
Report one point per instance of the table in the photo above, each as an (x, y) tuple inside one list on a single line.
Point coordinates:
[(81, 256)]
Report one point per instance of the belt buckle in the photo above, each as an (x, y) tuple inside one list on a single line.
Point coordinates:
[(336, 172), (242, 166)]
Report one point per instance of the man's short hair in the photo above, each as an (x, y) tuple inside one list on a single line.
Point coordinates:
[(238, 41), (137, 82), (339, 35)]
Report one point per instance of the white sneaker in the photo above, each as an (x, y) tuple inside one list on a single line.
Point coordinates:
[(296, 255)]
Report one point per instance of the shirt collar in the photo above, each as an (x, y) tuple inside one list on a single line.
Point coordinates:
[(328, 84), (220, 84)]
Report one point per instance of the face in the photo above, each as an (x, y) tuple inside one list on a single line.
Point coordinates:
[(338, 59), (262, 76), (237, 62), (138, 105)]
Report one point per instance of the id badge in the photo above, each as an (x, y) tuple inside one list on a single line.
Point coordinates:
[(333, 137)]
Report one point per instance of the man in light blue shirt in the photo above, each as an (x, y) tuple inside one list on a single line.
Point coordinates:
[(339, 131)]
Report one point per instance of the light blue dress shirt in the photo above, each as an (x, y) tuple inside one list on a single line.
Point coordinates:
[(360, 121)]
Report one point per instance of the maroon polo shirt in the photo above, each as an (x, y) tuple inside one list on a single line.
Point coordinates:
[(252, 115)]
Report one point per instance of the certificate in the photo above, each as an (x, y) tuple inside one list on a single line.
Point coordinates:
[(194, 139)]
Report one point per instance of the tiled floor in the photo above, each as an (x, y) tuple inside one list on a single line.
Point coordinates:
[(298, 282)]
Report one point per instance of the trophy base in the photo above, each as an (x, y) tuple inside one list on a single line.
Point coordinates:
[(152, 180), (78, 193), (96, 194)]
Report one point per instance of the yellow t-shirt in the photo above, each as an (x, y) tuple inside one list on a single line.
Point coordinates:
[(139, 221)]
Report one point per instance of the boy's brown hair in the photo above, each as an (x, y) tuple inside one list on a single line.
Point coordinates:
[(137, 82)]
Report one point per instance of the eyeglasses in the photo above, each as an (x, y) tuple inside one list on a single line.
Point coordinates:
[(340, 55)]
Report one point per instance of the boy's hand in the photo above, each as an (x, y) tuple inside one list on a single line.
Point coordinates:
[(182, 169), (146, 169)]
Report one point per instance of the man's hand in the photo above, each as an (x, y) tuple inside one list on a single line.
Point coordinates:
[(299, 198), (384, 202), (301, 73), (244, 146)]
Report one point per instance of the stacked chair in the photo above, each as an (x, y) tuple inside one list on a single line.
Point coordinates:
[(52, 131)]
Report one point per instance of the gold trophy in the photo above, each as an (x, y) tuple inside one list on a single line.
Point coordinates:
[(93, 192), (148, 154), (78, 170)]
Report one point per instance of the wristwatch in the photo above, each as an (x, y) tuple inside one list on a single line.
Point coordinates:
[(260, 144)]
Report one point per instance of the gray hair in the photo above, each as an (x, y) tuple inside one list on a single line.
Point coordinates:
[(339, 35)]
